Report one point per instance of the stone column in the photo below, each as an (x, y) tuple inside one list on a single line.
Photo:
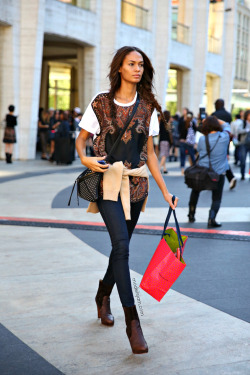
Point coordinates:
[(9, 72), (31, 48), (87, 67), (110, 15), (44, 85), (161, 50), (199, 38), (213, 92), (229, 52), (74, 101)]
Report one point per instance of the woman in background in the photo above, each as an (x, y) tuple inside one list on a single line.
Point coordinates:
[(218, 138), (187, 130), (10, 134), (164, 141)]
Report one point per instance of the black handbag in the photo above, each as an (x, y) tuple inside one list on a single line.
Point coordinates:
[(88, 181), (202, 178)]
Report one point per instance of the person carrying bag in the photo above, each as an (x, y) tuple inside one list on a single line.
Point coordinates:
[(213, 164), (123, 190), (201, 178)]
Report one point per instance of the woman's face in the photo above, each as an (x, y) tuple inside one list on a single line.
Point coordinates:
[(132, 67), (248, 117)]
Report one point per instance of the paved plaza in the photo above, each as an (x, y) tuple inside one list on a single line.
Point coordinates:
[(52, 256)]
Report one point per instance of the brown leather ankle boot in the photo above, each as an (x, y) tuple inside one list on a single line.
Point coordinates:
[(134, 331), (103, 304)]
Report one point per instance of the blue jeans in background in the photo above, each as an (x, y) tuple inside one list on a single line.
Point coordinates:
[(190, 150), (120, 231), (244, 150)]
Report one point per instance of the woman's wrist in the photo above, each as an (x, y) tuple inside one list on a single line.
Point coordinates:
[(83, 159), (166, 195)]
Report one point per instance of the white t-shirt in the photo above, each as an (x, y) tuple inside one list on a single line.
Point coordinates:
[(90, 123)]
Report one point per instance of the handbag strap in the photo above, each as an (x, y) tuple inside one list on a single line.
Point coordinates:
[(208, 150), (176, 225), (198, 158), (113, 148)]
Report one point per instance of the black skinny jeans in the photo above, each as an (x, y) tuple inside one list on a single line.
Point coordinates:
[(216, 198), (120, 231)]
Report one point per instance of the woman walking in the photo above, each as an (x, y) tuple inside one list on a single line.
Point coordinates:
[(164, 141), (244, 147), (10, 134), (121, 197), (187, 130), (218, 138)]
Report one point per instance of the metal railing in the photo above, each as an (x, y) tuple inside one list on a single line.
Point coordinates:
[(181, 32), (134, 15), (84, 4), (214, 44)]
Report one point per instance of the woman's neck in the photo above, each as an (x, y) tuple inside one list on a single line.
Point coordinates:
[(126, 92)]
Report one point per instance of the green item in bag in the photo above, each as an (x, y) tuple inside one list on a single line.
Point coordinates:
[(171, 238)]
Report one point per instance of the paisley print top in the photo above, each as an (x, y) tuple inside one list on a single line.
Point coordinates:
[(132, 149)]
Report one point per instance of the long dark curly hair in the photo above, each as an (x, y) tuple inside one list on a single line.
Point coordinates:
[(144, 87)]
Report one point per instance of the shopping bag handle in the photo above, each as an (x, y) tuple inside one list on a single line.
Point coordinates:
[(176, 225)]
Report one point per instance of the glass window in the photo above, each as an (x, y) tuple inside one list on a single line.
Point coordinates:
[(133, 13), (171, 98), (59, 87), (85, 4)]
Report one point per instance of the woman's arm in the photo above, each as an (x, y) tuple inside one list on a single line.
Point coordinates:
[(56, 124), (89, 162), (153, 166), (41, 126)]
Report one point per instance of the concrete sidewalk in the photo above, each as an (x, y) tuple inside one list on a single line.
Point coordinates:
[(49, 279)]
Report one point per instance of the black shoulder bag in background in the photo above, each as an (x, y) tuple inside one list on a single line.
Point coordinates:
[(202, 178), (88, 181)]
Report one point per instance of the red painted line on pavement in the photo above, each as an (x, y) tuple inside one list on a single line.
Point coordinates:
[(139, 226), (51, 221)]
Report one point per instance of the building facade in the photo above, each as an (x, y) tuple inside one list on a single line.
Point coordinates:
[(56, 53)]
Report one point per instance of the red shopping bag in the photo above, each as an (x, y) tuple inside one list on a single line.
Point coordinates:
[(167, 263)]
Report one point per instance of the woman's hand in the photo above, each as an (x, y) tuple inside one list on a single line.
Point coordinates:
[(92, 163), (168, 198)]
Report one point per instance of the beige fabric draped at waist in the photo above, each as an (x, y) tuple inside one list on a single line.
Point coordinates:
[(115, 181)]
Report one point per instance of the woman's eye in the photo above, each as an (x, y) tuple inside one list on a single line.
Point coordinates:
[(130, 64)]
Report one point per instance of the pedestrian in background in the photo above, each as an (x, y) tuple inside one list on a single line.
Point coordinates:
[(54, 123), (43, 127), (220, 111), (218, 136), (174, 148), (243, 129), (164, 140), (131, 74), (9, 133), (238, 122), (222, 114), (187, 130)]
